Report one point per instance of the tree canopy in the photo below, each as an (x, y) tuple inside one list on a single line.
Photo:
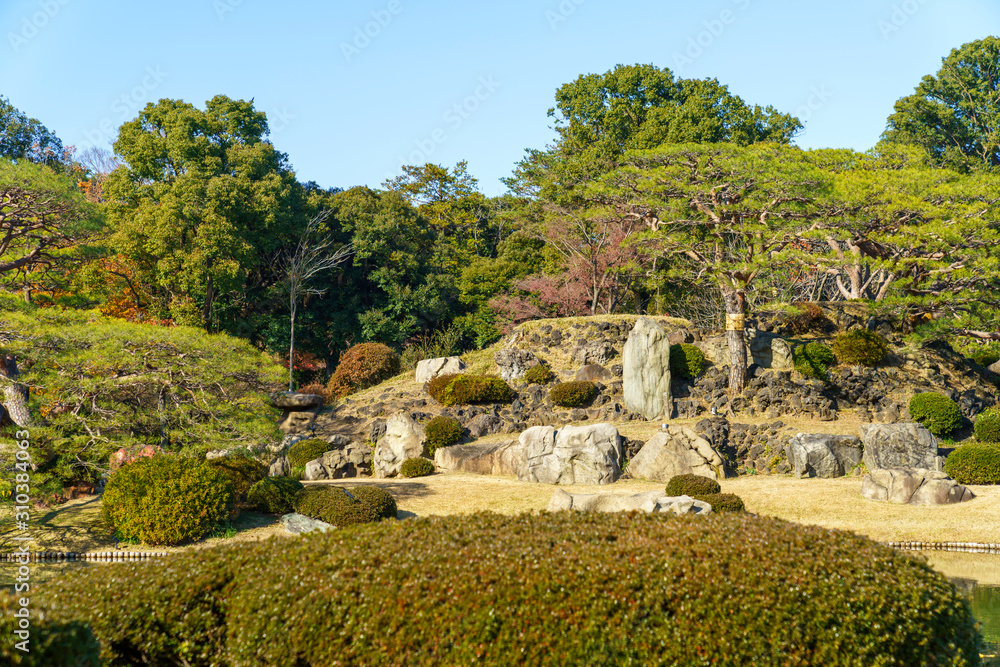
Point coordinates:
[(955, 114)]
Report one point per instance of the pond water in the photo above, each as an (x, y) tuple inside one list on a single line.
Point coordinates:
[(977, 575)]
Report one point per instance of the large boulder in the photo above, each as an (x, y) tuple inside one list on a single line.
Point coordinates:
[(572, 455), (650, 502), (297, 524), (513, 363), (428, 369), (676, 450), (646, 370), (594, 373), (495, 458), (823, 455), (914, 486), (899, 446), (403, 439), (594, 352)]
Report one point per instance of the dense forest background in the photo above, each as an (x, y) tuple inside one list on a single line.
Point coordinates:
[(657, 195)]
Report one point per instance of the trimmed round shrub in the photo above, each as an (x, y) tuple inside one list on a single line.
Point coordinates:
[(442, 432), (417, 467), (49, 643), (723, 502), (345, 507), (987, 426), (304, 451), (540, 374), (686, 361), (243, 472), (166, 500), (860, 347), (974, 463), (464, 389), (692, 485), (435, 386), (378, 501), (814, 360), (849, 600), (936, 412), (274, 495), (573, 394), (362, 366)]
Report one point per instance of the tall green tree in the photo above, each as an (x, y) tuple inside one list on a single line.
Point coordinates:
[(22, 137), (201, 203), (955, 114)]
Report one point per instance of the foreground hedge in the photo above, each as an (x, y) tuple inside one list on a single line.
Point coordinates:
[(553, 589), (49, 643)]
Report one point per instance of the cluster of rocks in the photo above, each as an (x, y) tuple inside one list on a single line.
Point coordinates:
[(747, 447), (902, 462)]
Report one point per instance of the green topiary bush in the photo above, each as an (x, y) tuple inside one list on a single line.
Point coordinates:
[(692, 485), (304, 451), (418, 467), (540, 374), (723, 502), (340, 507), (166, 500), (974, 463), (442, 432), (362, 366), (243, 472), (987, 426), (686, 361), (274, 495), (860, 347), (464, 389), (936, 412), (814, 360), (48, 643), (379, 503), (573, 394), (461, 597)]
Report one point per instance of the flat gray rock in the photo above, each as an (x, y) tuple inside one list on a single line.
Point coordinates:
[(913, 486), (495, 458), (298, 524), (290, 400), (428, 369), (651, 502)]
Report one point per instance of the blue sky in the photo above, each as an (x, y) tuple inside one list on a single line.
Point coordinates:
[(440, 81)]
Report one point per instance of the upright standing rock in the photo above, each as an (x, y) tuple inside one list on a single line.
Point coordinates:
[(646, 370), (403, 439), (823, 455)]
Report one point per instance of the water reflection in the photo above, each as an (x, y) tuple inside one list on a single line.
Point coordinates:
[(978, 576)]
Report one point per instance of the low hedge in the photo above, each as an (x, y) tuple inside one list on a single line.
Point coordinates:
[(342, 507), (686, 361), (860, 347), (242, 471), (790, 594), (540, 374), (274, 495), (723, 502), (166, 500), (987, 426), (417, 467), (814, 360), (936, 412), (442, 431), (573, 394), (304, 451), (462, 389), (692, 485), (49, 643), (974, 463)]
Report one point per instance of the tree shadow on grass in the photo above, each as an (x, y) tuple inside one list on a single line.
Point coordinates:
[(76, 526), (400, 489)]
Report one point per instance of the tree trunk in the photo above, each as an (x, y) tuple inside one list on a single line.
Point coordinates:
[(15, 398), (291, 348), (735, 304)]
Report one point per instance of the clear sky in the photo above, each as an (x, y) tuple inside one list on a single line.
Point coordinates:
[(441, 81)]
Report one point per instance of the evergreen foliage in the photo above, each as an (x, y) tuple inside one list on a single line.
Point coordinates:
[(860, 347), (362, 366), (722, 502), (974, 463), (936, 412), (242, 471), (539, 374), (462, 389), (814, 360), (573, 394), (686, 361), (274, 495), (418, 467), (987, 427), (440, 432), (692, 485), (304, 451)]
